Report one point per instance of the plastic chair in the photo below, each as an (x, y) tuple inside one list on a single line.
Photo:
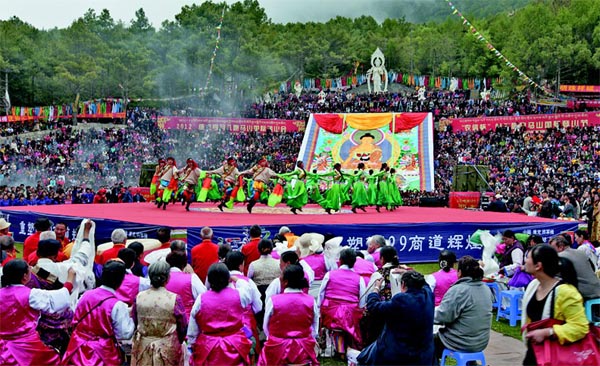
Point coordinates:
[(588, 310), (462, 358), (496, 291), (513, 311)]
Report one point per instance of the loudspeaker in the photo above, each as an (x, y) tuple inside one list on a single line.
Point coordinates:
[(431, 202), (470, 178), (146, 174)]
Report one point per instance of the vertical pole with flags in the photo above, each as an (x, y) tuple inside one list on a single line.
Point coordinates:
[(6, 96)]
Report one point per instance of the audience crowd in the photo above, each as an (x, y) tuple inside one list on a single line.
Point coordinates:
[(286, 303), (67, 165), (442, 104), (284, 298)]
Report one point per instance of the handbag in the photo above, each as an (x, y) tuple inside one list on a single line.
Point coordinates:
[(584, 352), (520, 278)]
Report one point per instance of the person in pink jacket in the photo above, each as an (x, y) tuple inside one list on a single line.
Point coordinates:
[(441, 280), (20, 343), (291, 323), (215, 327), (100, 320)]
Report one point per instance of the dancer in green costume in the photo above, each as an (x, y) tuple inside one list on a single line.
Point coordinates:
[(372, 188), (295, 194), (359, 191), (333, 195), (396, 197), (383, 192), (312, 187)]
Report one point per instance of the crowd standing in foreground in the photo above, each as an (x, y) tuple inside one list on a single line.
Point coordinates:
[(75, 304)]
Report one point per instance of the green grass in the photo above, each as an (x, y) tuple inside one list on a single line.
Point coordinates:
[(425, 268), (19, 248), (329, 361), (502, 326)]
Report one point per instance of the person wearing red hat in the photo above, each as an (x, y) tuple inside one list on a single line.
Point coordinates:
[(168, 183), (229, 176), (261, 174), (100, 196), (189, 176)]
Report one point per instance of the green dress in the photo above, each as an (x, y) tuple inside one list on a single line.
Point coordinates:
[(312, 187), (334, 195), (395, 196), (359, 191), (295, 193), (214, 194), (383, 191), (372, 188)]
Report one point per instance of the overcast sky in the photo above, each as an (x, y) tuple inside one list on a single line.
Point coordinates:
[(46, 14)]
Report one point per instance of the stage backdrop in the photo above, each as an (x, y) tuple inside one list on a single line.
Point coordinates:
[(402, 140)]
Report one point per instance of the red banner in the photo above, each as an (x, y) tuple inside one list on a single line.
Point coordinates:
[(590, 103), (232, 124), (532, 122), (464, 199), (12, 118), (580, 88)]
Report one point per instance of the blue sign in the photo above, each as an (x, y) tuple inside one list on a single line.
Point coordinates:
[(21, 226), (415, 242)]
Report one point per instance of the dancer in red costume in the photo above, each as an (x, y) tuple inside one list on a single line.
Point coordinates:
[(168, 183), (229, 176), (158, 172), (189, 176), (261, 173)]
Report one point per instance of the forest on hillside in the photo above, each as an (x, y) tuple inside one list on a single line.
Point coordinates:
[(98, 57)]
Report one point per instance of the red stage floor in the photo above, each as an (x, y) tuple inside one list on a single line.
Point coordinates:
[(207, 214)]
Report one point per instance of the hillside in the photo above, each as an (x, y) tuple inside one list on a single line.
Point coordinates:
[(423, 11)]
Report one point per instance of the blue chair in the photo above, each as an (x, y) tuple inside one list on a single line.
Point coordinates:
[(496, 291), (588, 310), (513, 311), (462, 358)]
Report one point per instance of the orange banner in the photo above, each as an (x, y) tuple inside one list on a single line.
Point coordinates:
[(580, 88)]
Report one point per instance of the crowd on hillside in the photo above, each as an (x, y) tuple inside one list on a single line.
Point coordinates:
[(65, 163), (522, 164), (442, 104), (47, 170)]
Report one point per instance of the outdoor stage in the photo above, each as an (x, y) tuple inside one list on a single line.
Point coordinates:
[(418, 233)]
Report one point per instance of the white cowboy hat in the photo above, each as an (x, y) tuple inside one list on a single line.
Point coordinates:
[(4, 224), (333, 243), (310, 243)]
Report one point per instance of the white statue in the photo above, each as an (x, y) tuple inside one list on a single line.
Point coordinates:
[(377, 74), (485, 95), (298, 88), (421, 93), (453, 84), (267, 97), (321, 96)]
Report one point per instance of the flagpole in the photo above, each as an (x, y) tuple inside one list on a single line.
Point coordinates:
[(7, 103)]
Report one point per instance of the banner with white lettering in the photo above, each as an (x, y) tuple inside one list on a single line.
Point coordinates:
[(414, 242)]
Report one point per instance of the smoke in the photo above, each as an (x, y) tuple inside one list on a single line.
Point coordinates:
[(323, 10)]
